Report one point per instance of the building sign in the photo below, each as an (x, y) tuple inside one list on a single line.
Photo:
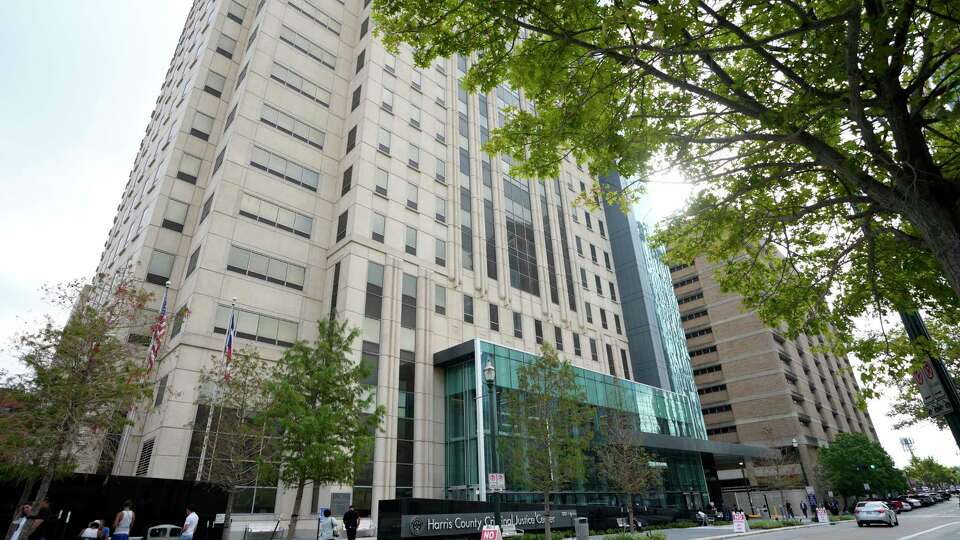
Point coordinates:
[(413, 526), (931, 390)]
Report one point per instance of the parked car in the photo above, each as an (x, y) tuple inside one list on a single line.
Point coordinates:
[(894, 505), (162, 532), (906, 507), (869, 512)]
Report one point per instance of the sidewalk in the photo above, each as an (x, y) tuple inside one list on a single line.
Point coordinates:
[(715, 532)]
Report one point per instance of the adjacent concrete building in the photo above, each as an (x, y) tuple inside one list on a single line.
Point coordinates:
[(294, 170), (758, 386)]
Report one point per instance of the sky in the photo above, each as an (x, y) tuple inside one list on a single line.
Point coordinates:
[(81, 79)]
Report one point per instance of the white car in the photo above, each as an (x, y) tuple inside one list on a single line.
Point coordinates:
[(906, 506), (875, 512)]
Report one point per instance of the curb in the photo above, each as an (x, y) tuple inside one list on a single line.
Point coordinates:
[(765, 531)]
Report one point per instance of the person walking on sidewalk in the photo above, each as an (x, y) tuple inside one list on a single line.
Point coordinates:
[(189, 525), (42, 522), (328, 526), (123, 522), (351, 521)]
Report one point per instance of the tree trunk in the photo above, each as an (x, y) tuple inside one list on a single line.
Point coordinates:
[(633, 528), (295, 515), (24, 495), (45, 483), (228, 513), (546, 516), (940, 229)]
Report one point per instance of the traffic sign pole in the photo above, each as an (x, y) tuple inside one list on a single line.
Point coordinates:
[(913, 323)]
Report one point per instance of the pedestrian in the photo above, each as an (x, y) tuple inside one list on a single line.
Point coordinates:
[(328, 526), (41, 525), (189, 524), (20, 523), (123, 521), (803, 508), (351, 521), (789, 510)]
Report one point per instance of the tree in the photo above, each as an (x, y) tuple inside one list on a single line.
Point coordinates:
[(884, 368), (823, 131), (551, 428), (853, 460), (622, 461), (929, 472), (78, 377), (324, 414), (239, 448)]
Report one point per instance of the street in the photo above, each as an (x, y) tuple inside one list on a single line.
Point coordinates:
[(938, 522)]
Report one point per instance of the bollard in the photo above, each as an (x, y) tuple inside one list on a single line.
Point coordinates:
[(582, 528)]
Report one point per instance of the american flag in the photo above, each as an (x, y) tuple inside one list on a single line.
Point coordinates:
[(158, 331), (228, 344)]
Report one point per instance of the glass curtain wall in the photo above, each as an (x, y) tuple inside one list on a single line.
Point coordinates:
[(657, 411)]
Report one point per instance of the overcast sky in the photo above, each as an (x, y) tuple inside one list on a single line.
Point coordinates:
[(80, 82)]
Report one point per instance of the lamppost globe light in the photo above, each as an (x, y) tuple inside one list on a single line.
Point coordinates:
[(489, 372)]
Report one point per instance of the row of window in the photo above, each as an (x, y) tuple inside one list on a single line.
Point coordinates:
[(717, 409), (687, 281), (705, 370)]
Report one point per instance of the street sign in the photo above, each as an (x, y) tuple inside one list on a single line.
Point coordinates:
[(496, 483), (739, 522), (810, 490), (822, 516), (490, 532), (931, 390), (866, 487)]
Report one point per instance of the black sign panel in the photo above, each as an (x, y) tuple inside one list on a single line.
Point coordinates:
[(413, 526)]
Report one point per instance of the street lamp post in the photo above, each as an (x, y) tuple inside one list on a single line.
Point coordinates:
[(796, 447), (490, 376)]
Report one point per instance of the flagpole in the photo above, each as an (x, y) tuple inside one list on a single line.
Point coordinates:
[(231, 329), (125, 437)]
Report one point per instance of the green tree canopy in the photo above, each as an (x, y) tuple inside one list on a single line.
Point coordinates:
[(824, 132), (81, 377), (929, 471), (853, 460), (889, 360), (550, 428), (325, 416)]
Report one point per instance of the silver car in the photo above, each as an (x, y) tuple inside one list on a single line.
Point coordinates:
[(875, 512)]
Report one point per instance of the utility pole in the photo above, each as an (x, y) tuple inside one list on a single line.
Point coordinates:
[(936, 386)]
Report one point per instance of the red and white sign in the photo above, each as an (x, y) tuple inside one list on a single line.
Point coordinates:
[(490, 532), (739, 522), (822, 516), (496, 483), (931, 390)]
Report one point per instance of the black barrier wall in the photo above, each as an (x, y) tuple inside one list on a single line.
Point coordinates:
[(86, 497), (393, 515)]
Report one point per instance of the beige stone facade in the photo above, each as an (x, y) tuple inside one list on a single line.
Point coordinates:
[(289, 159), (758, 386)]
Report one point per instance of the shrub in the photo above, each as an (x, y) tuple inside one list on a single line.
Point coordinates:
[(646, 535)]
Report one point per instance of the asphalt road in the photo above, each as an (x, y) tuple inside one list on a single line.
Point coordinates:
[(940, 522)]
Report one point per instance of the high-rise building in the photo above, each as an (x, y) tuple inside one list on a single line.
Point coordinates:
[(293, 170), (757, 385)]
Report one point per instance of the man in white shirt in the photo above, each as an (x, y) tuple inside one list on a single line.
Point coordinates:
[(189, 525), (20, 522)]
